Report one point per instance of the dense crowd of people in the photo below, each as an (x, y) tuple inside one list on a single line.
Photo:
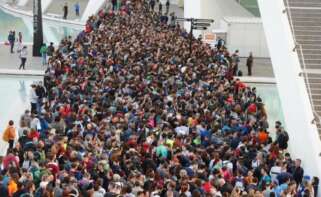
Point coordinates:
[(127, 110)]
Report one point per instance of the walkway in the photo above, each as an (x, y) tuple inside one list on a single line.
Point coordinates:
[(262, 67), (12, 61), (57, 8)]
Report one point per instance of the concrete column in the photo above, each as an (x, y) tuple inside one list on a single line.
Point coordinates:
[(92, 8)]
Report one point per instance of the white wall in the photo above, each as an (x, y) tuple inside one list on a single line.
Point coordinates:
[(247, 36), (192, 9), (304, 140), (214, 9), (92, 8)]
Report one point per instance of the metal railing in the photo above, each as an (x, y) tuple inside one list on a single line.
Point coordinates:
[(298, 48)]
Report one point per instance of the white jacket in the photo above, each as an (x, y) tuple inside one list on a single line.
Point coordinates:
[(33, 96), (23, 53)]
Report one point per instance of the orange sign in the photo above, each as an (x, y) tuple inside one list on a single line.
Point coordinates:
[(209, 37)]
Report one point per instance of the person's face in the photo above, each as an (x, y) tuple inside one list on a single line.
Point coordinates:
[(297, 163)]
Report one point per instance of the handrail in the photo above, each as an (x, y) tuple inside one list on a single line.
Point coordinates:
[(306, 76)]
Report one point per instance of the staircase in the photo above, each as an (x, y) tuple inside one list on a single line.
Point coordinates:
[(305, 21)]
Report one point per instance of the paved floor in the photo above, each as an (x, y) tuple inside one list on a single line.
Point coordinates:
[(12, 61), (57, 8), (262, 67)]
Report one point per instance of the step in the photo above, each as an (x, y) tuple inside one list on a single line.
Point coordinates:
[(308, 37), (314, 76), (314, 42), (304, 12), (304, 4), (311, 51), (317, 107), (305, 19), (307, 1), (312, 28), (310, 47), (306, 33), (306, 23), (316, 96), (315, 86), (311, 56), (312, 66)]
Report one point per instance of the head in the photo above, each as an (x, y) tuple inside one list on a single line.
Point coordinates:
[(11, 123)]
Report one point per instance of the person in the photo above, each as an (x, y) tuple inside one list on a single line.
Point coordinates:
[(43, 52), (282, 136), (77, 8), (152, 4), (20, 37), (128, 111), (160, 8), (41, 93), (33, 98), (298, 172), (65, 10), (220, 43), (236, 61), (9, 134), (11, 40), (167, 6), (114, 4), (23, 54), (50, 49), (249, 64)]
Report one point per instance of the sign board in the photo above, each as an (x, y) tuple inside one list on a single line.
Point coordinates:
[(209, 38)]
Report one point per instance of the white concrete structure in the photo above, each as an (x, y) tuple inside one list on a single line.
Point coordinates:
[(45, 5), (304, 139), (245, 34), (243, 30), (92, 7), (50, 20), (214, 9)]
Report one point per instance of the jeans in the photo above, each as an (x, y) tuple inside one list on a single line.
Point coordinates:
[(23, 63), (11, 144), (11, 46), (44, 59), (33, 108)]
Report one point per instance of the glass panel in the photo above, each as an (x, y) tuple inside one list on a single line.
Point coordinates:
[(14, 98), (271, 99), (252, 6)]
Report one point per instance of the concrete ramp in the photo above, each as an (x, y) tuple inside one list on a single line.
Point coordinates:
[(92, 8)]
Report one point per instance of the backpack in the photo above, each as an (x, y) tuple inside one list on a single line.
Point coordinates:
[(5, 135), (285, 136)]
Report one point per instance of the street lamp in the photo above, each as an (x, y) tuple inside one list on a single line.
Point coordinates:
[(37, 28)]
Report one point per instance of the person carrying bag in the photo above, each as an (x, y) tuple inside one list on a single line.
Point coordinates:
[(9, 134)]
